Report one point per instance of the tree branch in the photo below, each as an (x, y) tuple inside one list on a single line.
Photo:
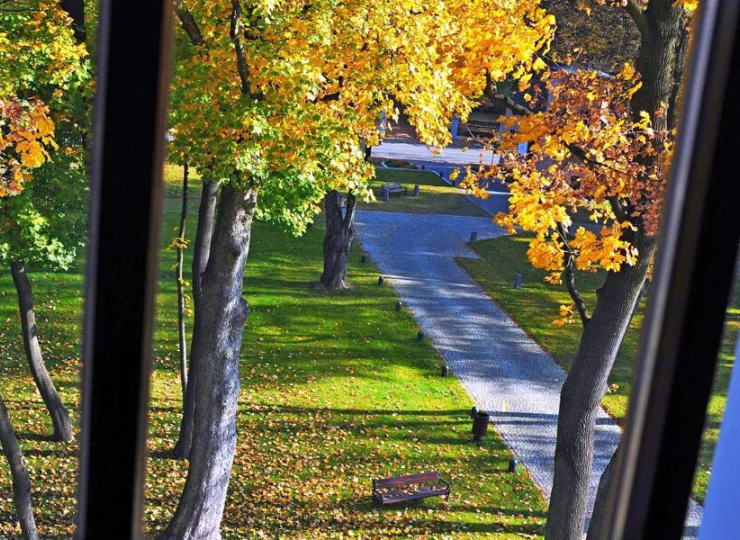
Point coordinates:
[(188, 24), (350, 213), (570, 278), (241, 60), (635, 11)]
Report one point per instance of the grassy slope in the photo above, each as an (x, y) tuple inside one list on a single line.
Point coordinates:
[(335, 391), (436, 196), (535, 306)]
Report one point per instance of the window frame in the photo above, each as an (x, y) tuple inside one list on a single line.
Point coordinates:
[(682, 328)]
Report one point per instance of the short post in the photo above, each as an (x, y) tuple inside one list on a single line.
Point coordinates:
[(380, 280), (363, 259), (453, 183), (420, 336), (386, 194), (473, 237), (513, 462), (399, 305), (518, 280), (445, 370), (416, 190), (480, 427), (441, 175), (423, 167)]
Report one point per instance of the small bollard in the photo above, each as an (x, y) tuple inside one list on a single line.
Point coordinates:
[(423, 167), (380, 280), (473, 237), (480, 427), (445, 370), (399, 305), (453, 183), (518, 280), (420, 336), (363, 259), (416, 190), (441, 175), (473, 412), (513, 462), (386, 195)]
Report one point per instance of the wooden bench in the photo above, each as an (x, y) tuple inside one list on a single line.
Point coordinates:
[(392, 188), (409, 488)]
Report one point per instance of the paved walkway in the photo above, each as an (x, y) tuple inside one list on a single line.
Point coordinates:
[(506, 372)]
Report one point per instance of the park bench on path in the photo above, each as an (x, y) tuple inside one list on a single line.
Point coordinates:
[(409, 488), (392, 188)]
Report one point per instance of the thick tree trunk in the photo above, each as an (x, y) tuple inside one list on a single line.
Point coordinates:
[(19, 473), (583, 390), (224, 314), (59, 415), (201, 252), (182, 337), (596, 529), (340, 231)]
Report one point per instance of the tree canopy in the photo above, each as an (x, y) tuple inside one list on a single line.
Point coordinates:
[(44, 74), (279, 95)]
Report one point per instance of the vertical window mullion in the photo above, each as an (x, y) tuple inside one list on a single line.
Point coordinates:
[(133, 52)]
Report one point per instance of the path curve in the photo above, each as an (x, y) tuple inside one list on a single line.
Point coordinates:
[(504, 370)]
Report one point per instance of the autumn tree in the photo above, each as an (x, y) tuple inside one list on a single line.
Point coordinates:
[(271, 102), (601, 146), (42, 189), (39, 61)]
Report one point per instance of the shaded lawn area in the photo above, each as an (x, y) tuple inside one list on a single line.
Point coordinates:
[(535, 306), (436, 196), (335, 391)]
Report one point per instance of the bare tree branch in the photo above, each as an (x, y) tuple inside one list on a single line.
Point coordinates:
[(570, 278), (635, 11), (188, 23), (241, 60)]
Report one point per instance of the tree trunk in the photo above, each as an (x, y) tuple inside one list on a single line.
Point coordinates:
[(19, 473), (661, 31), (340, 231), (583, 390), (224, 314), (182, 338), (59, 415), (201, 252), (596, 529)]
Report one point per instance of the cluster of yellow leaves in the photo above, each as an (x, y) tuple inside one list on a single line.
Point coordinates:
[(26, 135), (587, 157), (567, 315), (321, 75)]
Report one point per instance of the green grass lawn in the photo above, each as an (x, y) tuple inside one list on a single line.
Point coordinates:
[(436, 196), (335, 391), (535, 306)]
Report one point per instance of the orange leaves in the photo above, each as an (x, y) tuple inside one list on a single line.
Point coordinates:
[(26, 135)]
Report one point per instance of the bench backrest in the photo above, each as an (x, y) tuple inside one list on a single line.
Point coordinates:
[(408, 480)]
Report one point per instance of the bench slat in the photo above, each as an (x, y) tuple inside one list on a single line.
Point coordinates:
[(408, 480)]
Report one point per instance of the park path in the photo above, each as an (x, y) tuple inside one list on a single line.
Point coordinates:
[(505, 371)]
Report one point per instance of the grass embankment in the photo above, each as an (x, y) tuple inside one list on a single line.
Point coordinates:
[(535, 306), (435, 196), (335, 391)]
